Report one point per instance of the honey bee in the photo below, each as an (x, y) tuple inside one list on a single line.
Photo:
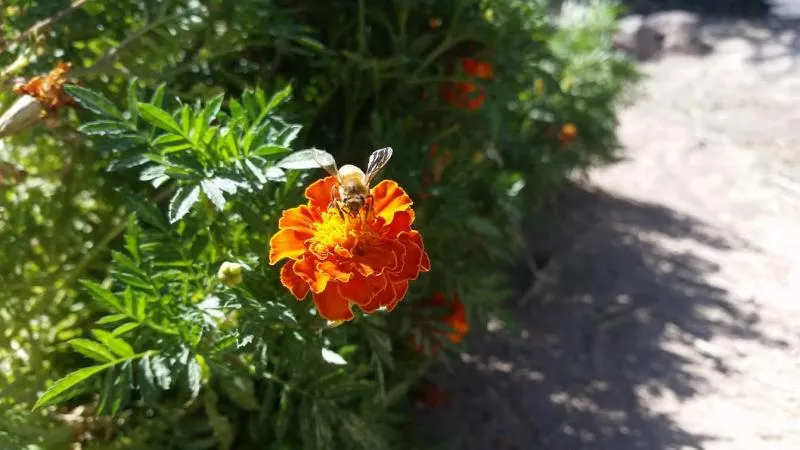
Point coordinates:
[(351, 192)]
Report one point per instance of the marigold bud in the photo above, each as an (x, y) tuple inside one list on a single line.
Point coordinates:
[(230, 274)]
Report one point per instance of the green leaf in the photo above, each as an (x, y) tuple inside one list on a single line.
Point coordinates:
[(158, 95), (278, 98), (159, 118), (112, 319), (116, 389), (212, 108), (115, 344), (105, 128), (333, 357), (92, 350), (269, 150), (132, 238), (213, 193), (93, 101), (68, 382), (288, 135), (194, 376), (182, 202), (127, 162), (102, 295), (240, 390), (306, 159), (124, 328), (148, 213), (133, 100)]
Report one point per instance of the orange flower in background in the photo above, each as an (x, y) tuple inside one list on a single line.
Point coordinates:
[(48, 89), (567, 134), (434, 23), (466, 95), (454, 316), (365, 261)]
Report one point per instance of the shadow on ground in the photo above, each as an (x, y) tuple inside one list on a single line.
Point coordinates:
[(717, 8), (597, 338)]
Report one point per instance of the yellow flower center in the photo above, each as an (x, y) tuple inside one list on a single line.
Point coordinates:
[(337, 234)]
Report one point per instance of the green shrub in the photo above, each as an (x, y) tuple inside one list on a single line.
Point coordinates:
[(127, 219)]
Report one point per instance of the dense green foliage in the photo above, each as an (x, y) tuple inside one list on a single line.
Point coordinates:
[(169, 166)]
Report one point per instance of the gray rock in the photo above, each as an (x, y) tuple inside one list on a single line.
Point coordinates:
[(639, 39), (650, 37)]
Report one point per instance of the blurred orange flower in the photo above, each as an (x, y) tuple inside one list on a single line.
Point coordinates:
[(466, 95), (365, 261), (48, 89), (454, 317), (567, 134)]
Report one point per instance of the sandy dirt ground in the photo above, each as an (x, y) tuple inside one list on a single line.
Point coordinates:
[(670, 316)]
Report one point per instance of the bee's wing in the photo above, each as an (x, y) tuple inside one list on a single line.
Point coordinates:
[(326, 161), (377, 160)]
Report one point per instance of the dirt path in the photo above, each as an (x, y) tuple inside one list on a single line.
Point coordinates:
[(671, 320)]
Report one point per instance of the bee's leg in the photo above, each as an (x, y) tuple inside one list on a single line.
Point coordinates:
[(368, 207), (334, 198)]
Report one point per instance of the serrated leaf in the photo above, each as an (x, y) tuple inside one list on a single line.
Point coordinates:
[(111, 319), (255, 171), (306, 159), (116, 389), (124, 328), (148, 213), (133, 99), (279, 97), (68, 382), (214, 194), (102, 295), (333, 357), (182, 202), (160, 372), (269, 150), (93, 101), (275, 174), (194, 375), (92, 350), (152, 172), (115, 344), (159, 118), (288, 135), (105, 128), (127, 162), (212, 108), (132, 238), (241, 391)]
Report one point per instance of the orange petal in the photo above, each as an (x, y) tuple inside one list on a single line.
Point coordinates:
[(293, 282), (357, 290), (384, 296), (402, 222), (333, 270), (319, 192), (287, 244), (376, 285), (425, 261), (389, 198), (301, 219), (400, 291), (307, 270), (412, 260), (331, 305), (374, 259)]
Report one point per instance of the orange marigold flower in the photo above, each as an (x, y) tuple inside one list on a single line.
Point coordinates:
[(454, 317), (343, 261), (477, 68), (567, 134), (462, 94), (434, 22), (48, 89)]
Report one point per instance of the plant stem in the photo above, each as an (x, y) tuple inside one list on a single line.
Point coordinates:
[(43, 24)]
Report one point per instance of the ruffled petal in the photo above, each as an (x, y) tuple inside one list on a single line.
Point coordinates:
[(333, 270), (289, 279), (425, 261), (301, 219), (374, 259), (389, 198), (331, 305), (377, 286), (357, 290), (307, 270), (402, 222), (400, 291), (412, 260), (319, 192), (287, 244)]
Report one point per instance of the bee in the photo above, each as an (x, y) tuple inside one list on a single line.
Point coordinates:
[(351, 192)]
